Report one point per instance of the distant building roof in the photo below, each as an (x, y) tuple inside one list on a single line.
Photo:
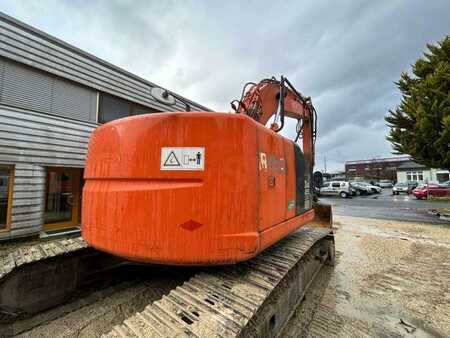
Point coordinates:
[(410, 165), (378, 160)]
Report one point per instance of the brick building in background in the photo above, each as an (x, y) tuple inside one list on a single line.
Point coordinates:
[(375, 169)]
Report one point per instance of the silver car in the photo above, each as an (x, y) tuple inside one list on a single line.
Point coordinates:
[(400, 188), (373, 188), (339, 188), (361, 189), (385, 184)]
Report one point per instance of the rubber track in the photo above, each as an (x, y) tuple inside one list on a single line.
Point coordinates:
[(38, 252), (220, 302)]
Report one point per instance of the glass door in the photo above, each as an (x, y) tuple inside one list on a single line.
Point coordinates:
[(62, 198)]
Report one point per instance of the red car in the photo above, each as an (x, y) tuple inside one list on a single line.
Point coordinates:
[(434, 190)]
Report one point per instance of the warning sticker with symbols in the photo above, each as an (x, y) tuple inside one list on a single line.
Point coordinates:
[(182, 158)]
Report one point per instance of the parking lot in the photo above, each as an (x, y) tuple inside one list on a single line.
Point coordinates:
[(385, 205)]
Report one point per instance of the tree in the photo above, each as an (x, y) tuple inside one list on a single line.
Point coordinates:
[(420, 124)]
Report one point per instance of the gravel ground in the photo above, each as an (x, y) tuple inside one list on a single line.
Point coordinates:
[(391, 279)]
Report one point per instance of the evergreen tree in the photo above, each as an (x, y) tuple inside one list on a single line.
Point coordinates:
[(420, 125)]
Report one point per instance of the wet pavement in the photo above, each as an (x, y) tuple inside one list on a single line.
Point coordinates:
[(391, 279), (387, 206)]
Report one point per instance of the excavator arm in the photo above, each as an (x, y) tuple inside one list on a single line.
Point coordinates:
[(277, 99)]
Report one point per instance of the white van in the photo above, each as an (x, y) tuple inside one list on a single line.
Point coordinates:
[(340, 188)]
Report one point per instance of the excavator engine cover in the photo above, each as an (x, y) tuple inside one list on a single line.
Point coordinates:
[(192, 188)]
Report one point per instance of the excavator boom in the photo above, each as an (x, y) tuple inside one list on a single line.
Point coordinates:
[(271, 98)]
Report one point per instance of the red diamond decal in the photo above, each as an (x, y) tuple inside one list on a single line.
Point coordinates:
[(191, 225)]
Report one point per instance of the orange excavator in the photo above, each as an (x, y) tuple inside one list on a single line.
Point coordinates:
[(187, 188), (202, 188)]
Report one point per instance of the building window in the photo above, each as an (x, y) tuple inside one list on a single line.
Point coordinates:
[(6, 185), (113, 108), (442, 177), (414, 176), (138, 109), (62, 197)]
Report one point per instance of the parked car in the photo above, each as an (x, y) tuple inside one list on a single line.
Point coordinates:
[(340, 188), (385, 184), (372, 187), (399, 188), (412, 185), (361, 189), (433, 190), (447, 184)]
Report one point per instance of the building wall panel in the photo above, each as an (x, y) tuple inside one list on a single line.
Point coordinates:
[(25, 88), (10, 132), (27, 209), (62, 142), (64, 125), (28, 88), (79, 101)]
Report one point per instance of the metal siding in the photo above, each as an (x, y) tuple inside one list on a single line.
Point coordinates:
[(20, 119), (28, 88), (2, 71), (32, 141), (74, 101), (37, 49), (25, 88)]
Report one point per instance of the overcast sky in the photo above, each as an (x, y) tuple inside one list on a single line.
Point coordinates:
[(346, 55)]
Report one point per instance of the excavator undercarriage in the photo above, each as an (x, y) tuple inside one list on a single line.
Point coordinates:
[(34, 278), (251, 299)]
